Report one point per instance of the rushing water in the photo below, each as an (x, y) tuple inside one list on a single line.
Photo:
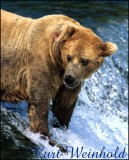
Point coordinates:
[(101, 114)]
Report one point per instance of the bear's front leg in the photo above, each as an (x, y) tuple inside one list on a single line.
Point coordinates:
[(38, 99), (38, 121), (63, 105)]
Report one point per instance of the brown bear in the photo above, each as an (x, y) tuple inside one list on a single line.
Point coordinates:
[(47, 58)]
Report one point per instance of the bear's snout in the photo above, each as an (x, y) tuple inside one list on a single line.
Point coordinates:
[(69, 80)]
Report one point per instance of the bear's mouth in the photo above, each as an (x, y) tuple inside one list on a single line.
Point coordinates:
[(71, 86)]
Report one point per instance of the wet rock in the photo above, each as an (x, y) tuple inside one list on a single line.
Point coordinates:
[(15, 145)]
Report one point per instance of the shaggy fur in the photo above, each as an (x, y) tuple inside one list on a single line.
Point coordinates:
[(47, 58)]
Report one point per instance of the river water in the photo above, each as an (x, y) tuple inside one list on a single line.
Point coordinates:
[(100, 119)]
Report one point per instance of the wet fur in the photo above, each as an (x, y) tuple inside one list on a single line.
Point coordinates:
[(34, 63)]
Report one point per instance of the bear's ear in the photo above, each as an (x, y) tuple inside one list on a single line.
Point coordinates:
[(61, 34), (108, 49)]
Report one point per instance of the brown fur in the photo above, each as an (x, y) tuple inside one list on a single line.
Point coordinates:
[(36, 57)]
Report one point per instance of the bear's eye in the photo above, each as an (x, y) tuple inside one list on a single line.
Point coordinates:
[(69, 58), (85, 62)]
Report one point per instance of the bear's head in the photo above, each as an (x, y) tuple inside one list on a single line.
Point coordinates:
[(80, 52)]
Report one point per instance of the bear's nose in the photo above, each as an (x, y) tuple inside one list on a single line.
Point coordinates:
[(69, 79)]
